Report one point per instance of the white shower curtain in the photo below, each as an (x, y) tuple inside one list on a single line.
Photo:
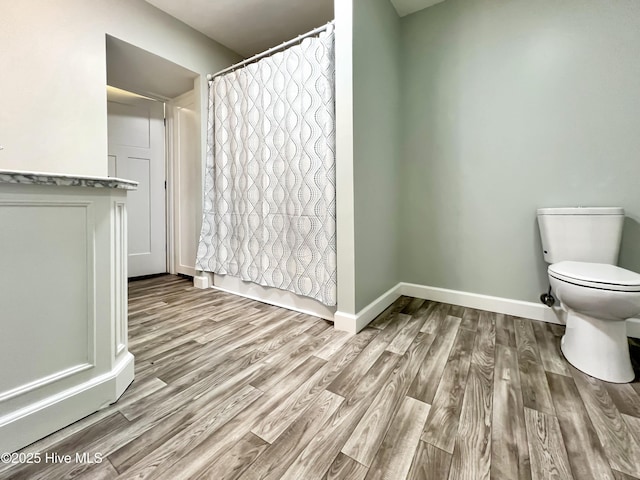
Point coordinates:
[(269, 199)]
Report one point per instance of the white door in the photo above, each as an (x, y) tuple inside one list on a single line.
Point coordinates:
[(136, 152)]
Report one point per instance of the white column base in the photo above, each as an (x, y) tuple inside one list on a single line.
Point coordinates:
[(35, 421)]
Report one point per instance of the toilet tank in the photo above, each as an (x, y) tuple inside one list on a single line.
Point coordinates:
[(581, 234)]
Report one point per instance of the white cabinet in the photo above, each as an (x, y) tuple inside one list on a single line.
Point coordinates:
[(63, 302)]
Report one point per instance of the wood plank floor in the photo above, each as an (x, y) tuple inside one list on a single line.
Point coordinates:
[(230, 388)]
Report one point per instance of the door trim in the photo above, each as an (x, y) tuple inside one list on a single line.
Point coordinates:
[(173, 187)]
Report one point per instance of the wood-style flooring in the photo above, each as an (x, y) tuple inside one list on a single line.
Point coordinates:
[(230, 388)]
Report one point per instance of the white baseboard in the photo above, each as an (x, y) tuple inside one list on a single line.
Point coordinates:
[(533, 311), (517, 308), (36, 421), (188, 271), (348, 322), (353, 323)]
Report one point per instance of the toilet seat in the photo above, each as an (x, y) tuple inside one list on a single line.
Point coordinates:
[(596, 275)]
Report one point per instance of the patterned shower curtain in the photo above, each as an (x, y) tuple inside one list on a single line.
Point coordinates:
[(269, 202)]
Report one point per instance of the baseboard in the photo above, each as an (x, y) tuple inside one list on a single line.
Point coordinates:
[(517, 308), (346, 322), (351, 323), (36, 421)]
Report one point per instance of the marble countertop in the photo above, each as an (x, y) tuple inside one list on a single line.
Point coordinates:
[(39, 178)]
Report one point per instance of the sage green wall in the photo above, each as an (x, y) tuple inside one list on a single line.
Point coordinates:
[(376, 142), (509, 106)]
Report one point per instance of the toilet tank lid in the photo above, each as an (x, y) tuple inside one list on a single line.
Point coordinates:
[(582, 211), (595, 273)]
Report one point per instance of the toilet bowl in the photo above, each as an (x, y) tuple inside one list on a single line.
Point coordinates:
[(598, 299)]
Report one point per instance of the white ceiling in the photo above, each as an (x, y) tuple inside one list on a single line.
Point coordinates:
[(406, 7), (252, 26), (136, 70), (249, 26)]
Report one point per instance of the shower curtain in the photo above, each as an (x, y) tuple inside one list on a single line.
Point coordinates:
[(269, 199)]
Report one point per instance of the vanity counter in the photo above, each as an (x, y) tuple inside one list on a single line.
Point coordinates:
[(39, 178), (63, 290)]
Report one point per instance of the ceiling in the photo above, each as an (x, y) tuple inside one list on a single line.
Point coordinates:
[(136, 70), (249, 26), (406, 7), (252, 26)]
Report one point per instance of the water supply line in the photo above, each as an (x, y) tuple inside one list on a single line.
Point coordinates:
[(547, 298)]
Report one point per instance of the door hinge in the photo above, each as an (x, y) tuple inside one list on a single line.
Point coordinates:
[(165, 184), (165, 121)]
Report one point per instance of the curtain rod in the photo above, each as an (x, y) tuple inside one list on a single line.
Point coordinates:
[(266, 53)]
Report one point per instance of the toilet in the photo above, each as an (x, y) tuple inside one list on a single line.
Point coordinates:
[(582, 245)]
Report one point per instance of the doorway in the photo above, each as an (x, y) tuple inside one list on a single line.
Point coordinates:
[(136, 139), (154, 136)]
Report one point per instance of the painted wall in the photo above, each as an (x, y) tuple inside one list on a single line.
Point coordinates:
[(344, 157), (54, 113), (376, 147), (509, 106)]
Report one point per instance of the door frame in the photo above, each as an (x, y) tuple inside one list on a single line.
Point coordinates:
[(171, 158), (173, 182)]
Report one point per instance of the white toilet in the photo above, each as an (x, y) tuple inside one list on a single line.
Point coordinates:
[(582, 246)]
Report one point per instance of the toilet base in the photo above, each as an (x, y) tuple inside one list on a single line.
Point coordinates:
[(598, 348)]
